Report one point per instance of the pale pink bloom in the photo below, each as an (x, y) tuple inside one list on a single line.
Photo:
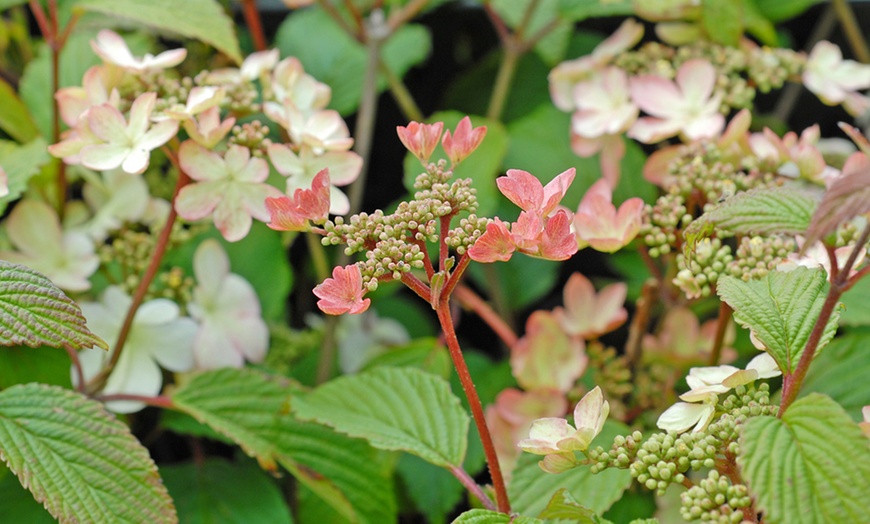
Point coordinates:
[(73, 141), (611, 147), (587, 314), (687, 106), (343, 293), (199, 99), (830, 77), (604, 106), (115, 198), (251, 69), (125, 145), (495, 245), (113, 50), (159, 335), (293, 214), (66, 258), (231, 327), (598, 224), (683, 340), (322, 130), (420, 139), (207, 129), (231, 188), (300, 170), (546, 357), (817, 256), (526, 191), (97, 88), (291, 83), (463, 141), (795, 157), (554, 435), (566, 75)]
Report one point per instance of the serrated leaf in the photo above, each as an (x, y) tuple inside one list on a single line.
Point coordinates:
[(219, 491), (251, 409), (723, 20), (764, 211), (485, 516), (34, 312), (394, 409), (841, 372), (331, 56), (21, 163), (782, 308), (204, 20), (482, 167), (847, 197), (563, 505), (531, 488), (78, 460), (15, 120), (811, 466)]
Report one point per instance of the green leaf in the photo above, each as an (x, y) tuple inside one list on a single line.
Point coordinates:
[(6, 4), (204, 20), (482, 167), (21, 163), (764, 211), (81, 462), (551, 47), (578, 10), (531, 488), (782, 308), (485, 516), (15, 119), (394, 409), (434, 490), (18, 504), (252, 410), (563, 505), (221, 491), (333, 57), (841, 372), (759, 26), (34, 312), (811, 466), (427, 354), (857, 308), (723, 21), (780, 10), (20, 364)]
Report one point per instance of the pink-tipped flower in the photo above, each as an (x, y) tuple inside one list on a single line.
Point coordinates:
[(207, 129), (300, 168), (525, 190), (830, 77), (687, 106), (554, 435), (420, 139), (343, 293), (293, 213), (463, 141), (546, 357), (495, 245), (113, 50), (598, 224), (590, 315)]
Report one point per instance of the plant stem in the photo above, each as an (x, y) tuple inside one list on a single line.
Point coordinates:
[(721, 328), (639, 323), (77, 367), (399, 18), (503, 81), (852, 30), (501, 497), (472, 486), (473, 301), (255, 26)]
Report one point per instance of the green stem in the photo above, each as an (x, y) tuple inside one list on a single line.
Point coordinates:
[(503, 81), (852, 30)]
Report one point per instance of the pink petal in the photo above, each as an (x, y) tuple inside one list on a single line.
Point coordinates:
[(522, 188), (197, 201), (199, 163), (495, 245)]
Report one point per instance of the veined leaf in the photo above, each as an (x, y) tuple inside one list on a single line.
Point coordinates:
[(782, 308), (763, 211), (34, 312), (394, 409), (21, 162), (485, 516), (252, 410), (78, 460), (563, 505), (848, 197), (15, 120), (204, 20), (841, 372), (811, 466)]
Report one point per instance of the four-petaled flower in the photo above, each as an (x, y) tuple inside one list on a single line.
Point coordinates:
[(420, 139), (463, 141), (293, 213), (587, 314), (598, 224), (343, 293), (302, 167), (831, 78)]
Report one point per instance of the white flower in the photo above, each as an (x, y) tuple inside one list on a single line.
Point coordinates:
[(253, 66), (554, 435), (321, 131), (830, 77), (113, 50), (67, 258), (231, 328), (158, 335), (116, 198)]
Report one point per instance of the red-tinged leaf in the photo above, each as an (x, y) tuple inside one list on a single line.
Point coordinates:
[(848, 197)]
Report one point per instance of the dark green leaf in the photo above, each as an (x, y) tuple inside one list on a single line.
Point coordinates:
[(857, 308), (485, 516), (19, 365), (434, 490), (841, 372)]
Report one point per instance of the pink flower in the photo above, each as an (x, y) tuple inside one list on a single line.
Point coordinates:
[(463, 142), (794, 157), (231, 188), (546, 357), (321, 130), (293, 214), (207, 130), (598, 224), (588, 315), (97, 88), (125, 145), (420, 139), (343, 293), (686, 107), (830, 77), (525, 190), (554, 435), (817, 256), (113, 50), (495, 245), (604, 106), (301, 168)]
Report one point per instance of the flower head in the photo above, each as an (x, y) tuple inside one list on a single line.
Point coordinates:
[(343, 293), (464, 140), (590, 315), (555, 435), (113, 50), (830, 77), (293, 213), (526, 191), (420, 139), (301, 168), (546, 357), (598, 224)]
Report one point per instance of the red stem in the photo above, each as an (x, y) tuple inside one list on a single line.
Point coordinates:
[(159, 401), (472, 486), (501, 497), (255, 26), (77, 366)]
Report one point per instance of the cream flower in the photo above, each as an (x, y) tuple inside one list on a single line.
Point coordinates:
[(113, 50), (554, 435)]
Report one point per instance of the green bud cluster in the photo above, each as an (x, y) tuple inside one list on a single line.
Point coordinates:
[(696, 274), (715, 499), (622, 453), (769, 68), (756, 256), (175, 285), (611, 373), (662, 223), (253, 135)]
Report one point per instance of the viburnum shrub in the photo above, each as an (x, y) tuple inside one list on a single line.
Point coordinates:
[(169, 209)]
